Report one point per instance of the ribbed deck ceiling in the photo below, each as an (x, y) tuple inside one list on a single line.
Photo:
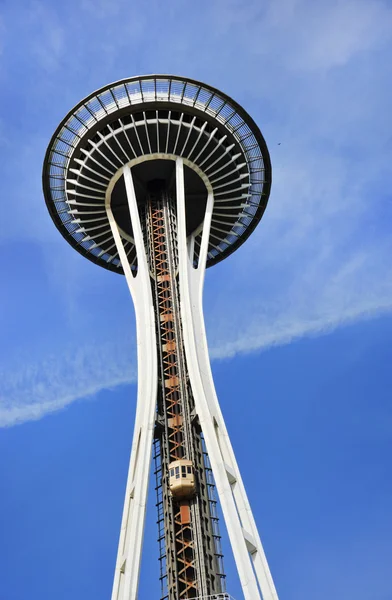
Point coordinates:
[(167, 117)]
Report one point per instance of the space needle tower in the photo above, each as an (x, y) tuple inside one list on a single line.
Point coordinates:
[(157, 178)]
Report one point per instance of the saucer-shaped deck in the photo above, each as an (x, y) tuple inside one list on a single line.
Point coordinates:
[(147, 122)]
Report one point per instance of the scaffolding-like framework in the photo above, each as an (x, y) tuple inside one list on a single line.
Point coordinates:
[(187, 524), (159, 177)]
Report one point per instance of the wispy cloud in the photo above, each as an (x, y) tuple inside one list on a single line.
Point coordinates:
[(34, 388), (315, 76), (318, 36)]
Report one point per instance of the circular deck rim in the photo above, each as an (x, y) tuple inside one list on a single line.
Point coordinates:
[(248, 120)]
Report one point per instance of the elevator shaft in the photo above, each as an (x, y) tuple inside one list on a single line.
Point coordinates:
[(191, 560)]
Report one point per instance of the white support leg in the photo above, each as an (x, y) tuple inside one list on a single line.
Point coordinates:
[(126, 579), (248, 552)]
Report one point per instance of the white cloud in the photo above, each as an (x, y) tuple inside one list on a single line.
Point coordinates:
[(303, 35), (344, 29), (31, 389)]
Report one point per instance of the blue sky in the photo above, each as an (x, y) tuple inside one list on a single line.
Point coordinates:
[(298, 320)]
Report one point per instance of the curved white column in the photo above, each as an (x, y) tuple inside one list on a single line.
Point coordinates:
[(126, 579), (252, 566)]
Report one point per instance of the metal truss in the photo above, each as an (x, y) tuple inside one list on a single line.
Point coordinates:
[(183, 580), (190, 567)]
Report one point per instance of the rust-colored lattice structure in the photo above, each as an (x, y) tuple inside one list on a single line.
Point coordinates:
[(184, 521)]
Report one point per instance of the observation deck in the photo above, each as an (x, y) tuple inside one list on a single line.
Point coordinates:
[(147, 122)]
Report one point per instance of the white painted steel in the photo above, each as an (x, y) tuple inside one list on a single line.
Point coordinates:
[(252, 565), (126, 579), (253, 570)]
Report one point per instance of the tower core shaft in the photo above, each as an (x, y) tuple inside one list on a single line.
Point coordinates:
[(188, 533)]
